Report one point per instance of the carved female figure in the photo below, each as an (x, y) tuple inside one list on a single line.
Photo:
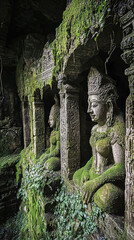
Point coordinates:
[(52, 155), (102, 177)]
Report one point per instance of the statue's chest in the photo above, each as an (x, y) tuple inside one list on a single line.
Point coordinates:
[(100, 141), (102, 150), (53, 139)]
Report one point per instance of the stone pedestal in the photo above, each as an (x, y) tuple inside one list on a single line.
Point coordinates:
[(26, 123), (38, 127), (127, 21), (69, 130)]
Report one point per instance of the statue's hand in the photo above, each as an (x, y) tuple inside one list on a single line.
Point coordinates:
[(85, 176), (44, 157), (89, 189)]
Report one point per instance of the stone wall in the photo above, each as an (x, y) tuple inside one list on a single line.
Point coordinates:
[(8, 187), (127, 22), (37, 72)]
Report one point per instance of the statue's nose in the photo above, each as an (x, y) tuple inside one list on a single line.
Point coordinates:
[(89, 110)]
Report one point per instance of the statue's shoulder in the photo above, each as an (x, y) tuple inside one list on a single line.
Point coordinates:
[(92, 139), (94, 128)]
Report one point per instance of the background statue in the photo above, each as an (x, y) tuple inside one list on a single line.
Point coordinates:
[(52, 155), (102, 178)]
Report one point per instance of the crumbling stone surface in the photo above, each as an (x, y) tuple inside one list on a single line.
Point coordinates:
[(128, 52), (10, 140), (8, 187), (69, 130)]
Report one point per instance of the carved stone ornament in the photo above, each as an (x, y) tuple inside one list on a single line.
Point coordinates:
[(99, 178), (101, 85)]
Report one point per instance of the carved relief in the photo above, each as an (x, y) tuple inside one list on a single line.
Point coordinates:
[(70, 130), (127, 22)]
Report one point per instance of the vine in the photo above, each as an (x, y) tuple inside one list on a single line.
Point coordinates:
[(73, 219), (33, 223)]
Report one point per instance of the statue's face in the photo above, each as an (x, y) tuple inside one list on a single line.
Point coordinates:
[(97, 109), (52, 121)]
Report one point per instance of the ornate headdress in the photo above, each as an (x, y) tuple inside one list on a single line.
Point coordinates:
[(102, 85)]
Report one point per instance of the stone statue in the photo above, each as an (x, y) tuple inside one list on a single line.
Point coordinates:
[(52, 154), (102, 178)]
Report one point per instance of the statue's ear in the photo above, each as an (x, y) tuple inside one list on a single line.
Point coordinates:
[(109, 105), (109, 112)]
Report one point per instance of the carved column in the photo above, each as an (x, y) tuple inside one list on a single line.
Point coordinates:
[(26, 123), (127, 21), (69, 130), (38, 127)]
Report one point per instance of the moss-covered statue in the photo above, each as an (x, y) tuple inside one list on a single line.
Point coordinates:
[(52, 155), (102, 178)]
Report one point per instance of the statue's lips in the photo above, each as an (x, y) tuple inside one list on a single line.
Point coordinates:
[(92, 116)]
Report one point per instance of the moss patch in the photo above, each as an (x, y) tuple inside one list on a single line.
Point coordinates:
[(82, 174), (31, 194), (110, 198), (34, 181), (79, 20), (7, 161), (27, 80), (53, 163)]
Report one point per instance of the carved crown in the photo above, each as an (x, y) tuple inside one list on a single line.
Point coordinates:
[(102, 85), (94, 81)]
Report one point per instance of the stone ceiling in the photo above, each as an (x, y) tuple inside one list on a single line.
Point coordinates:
[(19, 18)]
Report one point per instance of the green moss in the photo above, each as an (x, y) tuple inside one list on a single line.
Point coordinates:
[(8, 160), (34, 179), (77, 176), (115, 133), (82, 174), (103, 145), (99, 136), (92, 173), (110, 198), (79, 20), (52, 163), (26, 156), (31, 193), (27, 80)]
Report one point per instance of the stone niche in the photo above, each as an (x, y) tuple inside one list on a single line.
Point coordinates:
[(37, 116), (75, 123)]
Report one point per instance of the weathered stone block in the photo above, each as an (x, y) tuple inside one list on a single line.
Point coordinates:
[(69, 130)]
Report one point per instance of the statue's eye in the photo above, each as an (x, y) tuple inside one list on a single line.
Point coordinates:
[(94, 105)]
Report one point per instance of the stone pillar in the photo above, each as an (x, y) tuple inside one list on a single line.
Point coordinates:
[(38, 127), (127, 21), (26, 123), (69, 130)]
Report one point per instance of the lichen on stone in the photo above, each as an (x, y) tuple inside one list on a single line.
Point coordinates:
[(8, 160), (80, 19)]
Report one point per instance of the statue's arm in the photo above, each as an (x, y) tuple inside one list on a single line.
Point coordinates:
[(88, 164), (47, 151), (56, 151), (53, 153)]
